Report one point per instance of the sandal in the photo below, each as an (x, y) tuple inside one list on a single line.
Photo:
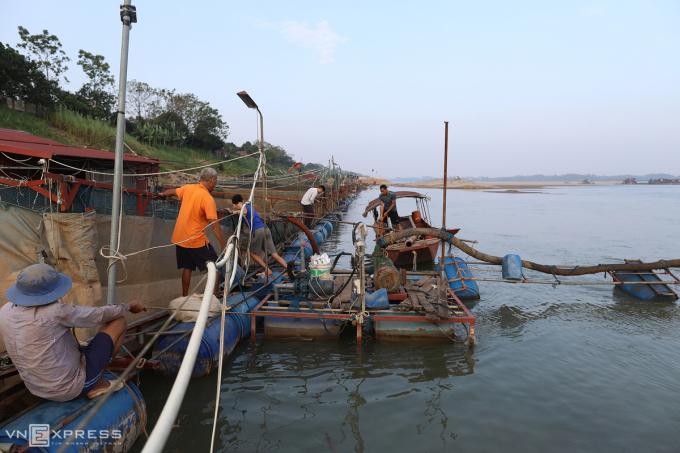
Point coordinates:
[(111, 387)]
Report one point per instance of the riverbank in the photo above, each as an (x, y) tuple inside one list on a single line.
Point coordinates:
[(498, 185)]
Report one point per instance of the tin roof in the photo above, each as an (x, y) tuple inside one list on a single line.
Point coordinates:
[(25, 144)]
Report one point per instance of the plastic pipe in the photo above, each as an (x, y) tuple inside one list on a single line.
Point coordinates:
[(166, 420)]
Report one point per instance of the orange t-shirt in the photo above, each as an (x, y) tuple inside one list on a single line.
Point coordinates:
[(197, 210)]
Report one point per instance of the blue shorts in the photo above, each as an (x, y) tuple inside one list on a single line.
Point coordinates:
[(97, 357)]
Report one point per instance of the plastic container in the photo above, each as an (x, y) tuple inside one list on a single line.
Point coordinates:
[(377, 300), (320, 267), (460, 278), (512, 267), (114, 427)]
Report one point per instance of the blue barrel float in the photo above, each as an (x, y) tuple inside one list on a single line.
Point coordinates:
[(236, 327), (460, 278), (511, 267), (114, 427), (321, 231)]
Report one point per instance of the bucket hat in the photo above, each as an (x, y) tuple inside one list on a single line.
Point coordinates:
[(38, 284)]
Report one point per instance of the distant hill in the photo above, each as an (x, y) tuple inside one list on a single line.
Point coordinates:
[(412, 179), (567, 177), (571, 177)]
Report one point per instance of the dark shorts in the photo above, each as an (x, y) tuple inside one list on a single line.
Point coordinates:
[(308, 215), (394, 217), (193, 259), (97, 357)]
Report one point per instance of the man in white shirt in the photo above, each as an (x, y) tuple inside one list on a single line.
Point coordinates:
[(307, 203)]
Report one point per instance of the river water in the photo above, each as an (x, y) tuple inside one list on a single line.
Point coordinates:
[(564, 369)]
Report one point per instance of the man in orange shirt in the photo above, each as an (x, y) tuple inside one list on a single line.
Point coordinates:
[(197, 211)]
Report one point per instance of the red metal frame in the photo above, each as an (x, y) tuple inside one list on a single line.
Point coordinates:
[(68, 194)]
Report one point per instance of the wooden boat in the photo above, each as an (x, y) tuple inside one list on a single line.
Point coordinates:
[(413, 250)]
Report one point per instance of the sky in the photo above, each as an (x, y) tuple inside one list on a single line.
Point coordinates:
[(528, 87)]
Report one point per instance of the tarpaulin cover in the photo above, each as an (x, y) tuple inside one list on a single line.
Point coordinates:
[(71, 243)]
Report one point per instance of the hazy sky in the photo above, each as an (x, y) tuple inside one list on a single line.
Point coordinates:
[(528, 86)]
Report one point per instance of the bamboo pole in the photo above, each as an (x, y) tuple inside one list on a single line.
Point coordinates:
[(391, 238), (446, 175)]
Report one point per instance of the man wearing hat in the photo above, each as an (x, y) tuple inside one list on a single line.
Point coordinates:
[(35, 326)]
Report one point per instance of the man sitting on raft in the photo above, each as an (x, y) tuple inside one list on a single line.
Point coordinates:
[(36, 328), (262, 243)]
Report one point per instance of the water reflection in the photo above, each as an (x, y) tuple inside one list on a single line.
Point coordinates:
[(275, 389)]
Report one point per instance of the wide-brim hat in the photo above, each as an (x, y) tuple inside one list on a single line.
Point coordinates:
[(38, 284)]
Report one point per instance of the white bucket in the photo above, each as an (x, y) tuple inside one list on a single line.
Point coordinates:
[(321, 271)]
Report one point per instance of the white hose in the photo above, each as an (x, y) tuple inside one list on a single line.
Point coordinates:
[(166, 421)]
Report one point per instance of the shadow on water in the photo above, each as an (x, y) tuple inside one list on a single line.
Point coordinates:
[(276, 390)]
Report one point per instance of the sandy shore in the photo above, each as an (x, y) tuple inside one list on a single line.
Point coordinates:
[(509, 185)]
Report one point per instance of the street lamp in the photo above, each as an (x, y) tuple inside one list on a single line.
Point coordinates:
[(248, 101)]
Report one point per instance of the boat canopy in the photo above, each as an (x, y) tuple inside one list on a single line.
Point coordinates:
[(400, 194)]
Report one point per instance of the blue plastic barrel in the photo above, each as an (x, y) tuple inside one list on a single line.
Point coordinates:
[(319, 236), (114, 427), (512, 267), (459, 275), (378, 300), (328, 226), (236, 327), (302, 241)]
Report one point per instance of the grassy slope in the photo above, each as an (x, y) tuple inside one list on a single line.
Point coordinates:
[(72, 129)]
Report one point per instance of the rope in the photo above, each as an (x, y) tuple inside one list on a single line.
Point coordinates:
[(167, 172), (117, 256), (233, 241), (131, 367)]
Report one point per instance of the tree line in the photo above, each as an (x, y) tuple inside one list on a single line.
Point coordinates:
[(34, 71)]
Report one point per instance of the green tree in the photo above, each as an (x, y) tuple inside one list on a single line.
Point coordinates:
[(276, 155), (142, 99), (45, 50), (205, 126), (98, 90), (22, 79)]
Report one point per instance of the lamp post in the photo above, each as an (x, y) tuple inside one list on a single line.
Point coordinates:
[(248, 101), (128, 15)]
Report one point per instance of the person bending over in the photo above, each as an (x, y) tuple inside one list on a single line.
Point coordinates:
[(307, 203), (388, 210), (262, 243), (197, 211)]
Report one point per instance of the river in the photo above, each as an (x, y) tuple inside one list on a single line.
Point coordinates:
[(560, 369)]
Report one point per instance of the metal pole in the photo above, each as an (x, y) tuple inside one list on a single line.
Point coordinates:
[(264, 169), (128, 15), (446, 163)]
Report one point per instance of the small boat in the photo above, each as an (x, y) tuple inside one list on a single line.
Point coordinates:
[(416, 249)]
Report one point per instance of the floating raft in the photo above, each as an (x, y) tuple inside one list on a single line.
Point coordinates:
[(114, 427), (632, 283), (236, 327), (297, 318)]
